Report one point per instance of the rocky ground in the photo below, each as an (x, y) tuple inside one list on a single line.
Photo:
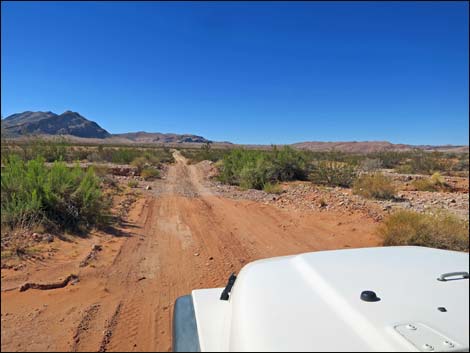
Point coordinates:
[(307, 196)]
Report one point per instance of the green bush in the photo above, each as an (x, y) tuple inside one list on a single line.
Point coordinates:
[(288, 164), (255, 168), (255, 174), (60, 197), (421, 162), (333, 173), (205, 153), (442, 230), (376, 186), (391, 159)]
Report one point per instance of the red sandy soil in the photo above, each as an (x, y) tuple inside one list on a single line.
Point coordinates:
[(178, 237)]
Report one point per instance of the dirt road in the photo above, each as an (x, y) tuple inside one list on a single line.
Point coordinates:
[(178, 237)]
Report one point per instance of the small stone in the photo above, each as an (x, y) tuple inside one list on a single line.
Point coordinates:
[(97, 247)]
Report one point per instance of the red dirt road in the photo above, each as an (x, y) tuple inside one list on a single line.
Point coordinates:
[(178, 238)]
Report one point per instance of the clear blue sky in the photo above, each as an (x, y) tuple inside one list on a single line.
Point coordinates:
[(278, 72)]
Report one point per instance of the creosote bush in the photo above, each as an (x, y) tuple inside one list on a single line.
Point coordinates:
[(253, 168), (333, 173), (441, 230), (374, 186)]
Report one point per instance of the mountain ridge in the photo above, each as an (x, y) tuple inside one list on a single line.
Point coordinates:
[(72, 125)]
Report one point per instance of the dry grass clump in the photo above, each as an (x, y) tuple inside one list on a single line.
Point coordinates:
[(272, 188), (435, 183), (374, 186), (442, 230), (149, 173), (133, 184)]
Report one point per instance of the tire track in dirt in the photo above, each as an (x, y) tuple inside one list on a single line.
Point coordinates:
[(181, 237), (85, 325)]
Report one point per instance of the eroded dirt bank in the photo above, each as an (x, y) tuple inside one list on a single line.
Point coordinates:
[(178, 237)]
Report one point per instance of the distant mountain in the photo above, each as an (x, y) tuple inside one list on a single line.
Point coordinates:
[(73, 125), (372, 146), (77, 128), (49, 123), (27, 117), (157, 137)]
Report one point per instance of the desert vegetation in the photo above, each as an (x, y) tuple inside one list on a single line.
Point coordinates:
[(434, 183), (44, 183), (60, 184), (63, 150), (439, 230), (254, 168), (375, 185), (56, 197), (205, 153), (333, 173)]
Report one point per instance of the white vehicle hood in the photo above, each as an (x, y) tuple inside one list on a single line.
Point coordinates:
[(311, 302)]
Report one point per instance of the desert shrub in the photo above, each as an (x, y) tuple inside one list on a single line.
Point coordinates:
[(254, 168), (133, 183), (255, 174), (288, 164), (208, 153), (426, 163), (272, 188), (60, 197), (370, 164), (140, 163), (122, 155), (233, 164), (463, 163), (149, 173), (404, 169), (442, 230), (374, 186), (333, 173), (49, 150), (390, 159), (435, 183)]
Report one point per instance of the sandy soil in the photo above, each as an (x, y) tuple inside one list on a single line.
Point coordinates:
[(178, 237)]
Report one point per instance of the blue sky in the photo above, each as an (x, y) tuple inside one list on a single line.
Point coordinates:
[(268, 72)]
